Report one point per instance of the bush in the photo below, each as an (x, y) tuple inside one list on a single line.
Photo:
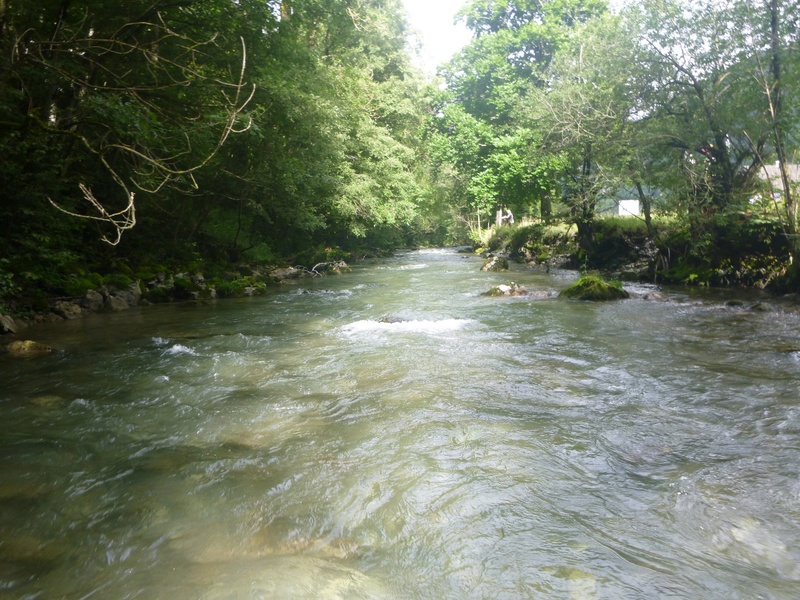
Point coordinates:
[(118, 280), (184, 288), (617, 240), (527, 240)]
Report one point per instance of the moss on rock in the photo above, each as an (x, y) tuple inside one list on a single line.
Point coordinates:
[(495, 263), (28, 349), (594, 288)]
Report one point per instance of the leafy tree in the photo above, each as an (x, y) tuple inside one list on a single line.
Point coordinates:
[(514, 43), (703, 98), (586, 114)]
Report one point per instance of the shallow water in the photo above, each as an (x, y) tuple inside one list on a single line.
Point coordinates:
[(393, 433)]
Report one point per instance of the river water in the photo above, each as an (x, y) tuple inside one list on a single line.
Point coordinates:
[(394, 433)]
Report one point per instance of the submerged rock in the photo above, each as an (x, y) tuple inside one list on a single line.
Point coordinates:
[(594, 288), (392, 319), (761, 307), (27, 349), (511, 289)]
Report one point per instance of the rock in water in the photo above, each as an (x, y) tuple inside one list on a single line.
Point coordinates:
[(8, 324), (495, 263), (511, 289), (594, 288), (28, 349)]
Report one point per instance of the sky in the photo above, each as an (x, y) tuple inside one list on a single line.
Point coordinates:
[(440, 37), (433, 21)]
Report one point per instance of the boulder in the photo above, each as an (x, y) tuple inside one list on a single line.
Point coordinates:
[(27, 349), (121, 301), (8, 324), (93, 301), (286, 273), (135, 291), (594, 288), (67, 310), (495, 263), (511, 289)]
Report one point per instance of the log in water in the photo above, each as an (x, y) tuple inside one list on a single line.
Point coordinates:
[(394, 433)]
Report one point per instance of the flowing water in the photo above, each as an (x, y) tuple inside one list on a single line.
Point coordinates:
[(394, 433)]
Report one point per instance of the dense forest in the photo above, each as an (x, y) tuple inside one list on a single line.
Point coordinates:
[(177, 135)]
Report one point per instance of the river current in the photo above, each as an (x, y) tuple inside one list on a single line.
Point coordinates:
[(394, 433)]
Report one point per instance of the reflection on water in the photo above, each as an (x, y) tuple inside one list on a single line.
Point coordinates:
[(393, 433)]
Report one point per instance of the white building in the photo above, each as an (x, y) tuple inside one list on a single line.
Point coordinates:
[(629, 208)]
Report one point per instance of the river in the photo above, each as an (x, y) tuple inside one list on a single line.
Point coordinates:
[(394, 433)]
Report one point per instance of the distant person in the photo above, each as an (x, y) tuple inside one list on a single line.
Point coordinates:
[(509, 218)]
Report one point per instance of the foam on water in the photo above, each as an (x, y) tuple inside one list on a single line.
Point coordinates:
[(413, 326), (180, 349)]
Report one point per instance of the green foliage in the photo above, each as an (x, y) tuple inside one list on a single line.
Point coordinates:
[(617, 240), (500, 238), (238, 287), (118, 280), (184, 287), (7, 285), (553, 106), (526, 239), (157, 295), (78, 285)]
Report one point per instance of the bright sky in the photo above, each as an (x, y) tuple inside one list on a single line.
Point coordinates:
[(441, 38)]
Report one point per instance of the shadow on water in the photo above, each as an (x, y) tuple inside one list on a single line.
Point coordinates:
[(394, 433)]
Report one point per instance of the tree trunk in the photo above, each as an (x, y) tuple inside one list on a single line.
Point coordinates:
[(546, 208), (645, 201), (776, 109), (3, 13), (587, 201)]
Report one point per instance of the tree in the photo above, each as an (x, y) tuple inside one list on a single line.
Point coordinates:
[(145, 92), (586, 114), (514, 43), (771, 28), (702, 97)]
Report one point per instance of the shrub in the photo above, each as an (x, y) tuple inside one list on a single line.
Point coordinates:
[(118, 280)]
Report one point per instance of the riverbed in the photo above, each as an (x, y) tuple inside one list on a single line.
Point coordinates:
[(396, 433)]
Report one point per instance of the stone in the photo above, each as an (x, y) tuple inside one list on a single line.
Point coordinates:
[(67, 310), (495, 263), (511, 289), (761, 307), (28, 349), (8, 324), (118, 303), (595, 289), (286, 273), (135, 291), (655, 297), (93, 301)]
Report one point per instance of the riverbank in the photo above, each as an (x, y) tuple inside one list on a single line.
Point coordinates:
[(119, 292), (740, 251)]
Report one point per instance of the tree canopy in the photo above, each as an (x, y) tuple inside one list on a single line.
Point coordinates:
[(262, 130)]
